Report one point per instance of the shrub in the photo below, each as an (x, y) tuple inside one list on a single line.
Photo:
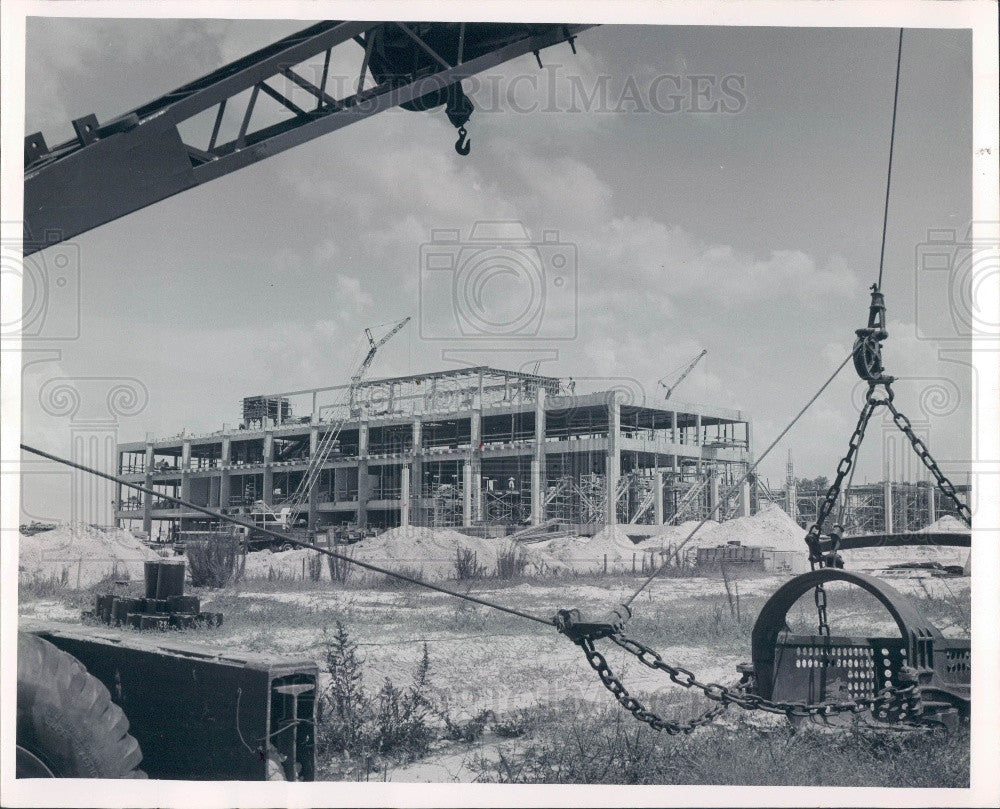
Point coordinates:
[(315, 566), (340, 569), (361, 727), (467, 567), (511, 562), (215, 562)]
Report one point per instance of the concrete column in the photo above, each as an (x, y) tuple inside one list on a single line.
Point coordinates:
[(931, 505), (477, 491), (225, 452), (745, 499), (224, 489), (887, 499), (363, 439), (404, 495), (476, 429), (476, 432), (713, 490), (186, 455), (658, 497), (314, 413), (312, 513), (538, 460), (613, 460), (313, 441), (418, 434), (536, 492), (364, 493), (674, 434), (267, 495), (147, 499), (417, 472), (697, 429), (466, 495)]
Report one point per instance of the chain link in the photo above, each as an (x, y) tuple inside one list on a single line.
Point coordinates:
[(945, 485), (905, 701), (843, 469), (635, 707)]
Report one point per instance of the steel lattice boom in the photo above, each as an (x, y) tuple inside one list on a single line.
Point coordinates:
[(112, 169)]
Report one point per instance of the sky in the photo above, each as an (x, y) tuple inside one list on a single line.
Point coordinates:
[(751, 229)]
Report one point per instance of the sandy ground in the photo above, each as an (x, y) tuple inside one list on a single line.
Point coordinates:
[(484, 660)]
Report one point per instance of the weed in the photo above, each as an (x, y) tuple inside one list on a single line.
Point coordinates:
[(467, 568), (217, 562), (511, 562), (340, 568), (363, 728), (610, 747)]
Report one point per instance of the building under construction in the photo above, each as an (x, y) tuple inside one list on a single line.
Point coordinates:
[(474, 447)]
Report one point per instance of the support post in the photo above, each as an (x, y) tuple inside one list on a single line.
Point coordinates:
[(887, 500), (404, 495), (713, 490), (536, 492), (931, 505), (538, 461), (147, 499), (467, 495), (613, 461), (658, 497), (745, 499)]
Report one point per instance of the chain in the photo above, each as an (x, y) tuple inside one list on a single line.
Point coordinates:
[(830, 502), (905, 699), (945, 485), (843, 468), (636, 708)]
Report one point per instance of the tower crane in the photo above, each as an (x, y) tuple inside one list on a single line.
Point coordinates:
[(690, 367), (374, 346), (300, 497)]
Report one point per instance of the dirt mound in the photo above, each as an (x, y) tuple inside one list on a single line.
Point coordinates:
[(946, 525), (427, 553), (82, 555), (770, 527), (588, 555)]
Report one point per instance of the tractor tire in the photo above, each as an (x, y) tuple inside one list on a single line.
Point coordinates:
[(67, 725)]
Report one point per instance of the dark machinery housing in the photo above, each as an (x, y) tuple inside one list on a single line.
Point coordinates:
[(188, 712)]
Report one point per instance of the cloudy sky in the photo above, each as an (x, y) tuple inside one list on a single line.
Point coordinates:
[(752, 231)]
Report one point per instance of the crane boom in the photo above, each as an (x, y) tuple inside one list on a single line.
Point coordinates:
[(374, 346), (140, 157), (683, 376)]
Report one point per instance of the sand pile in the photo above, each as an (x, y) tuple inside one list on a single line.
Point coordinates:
[(81, 555), (878, 558), (427, 553), (946, 525), (587, 555), (770, 527), (282, 565)]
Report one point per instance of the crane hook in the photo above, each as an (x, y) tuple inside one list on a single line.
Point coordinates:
[(464, 144)]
